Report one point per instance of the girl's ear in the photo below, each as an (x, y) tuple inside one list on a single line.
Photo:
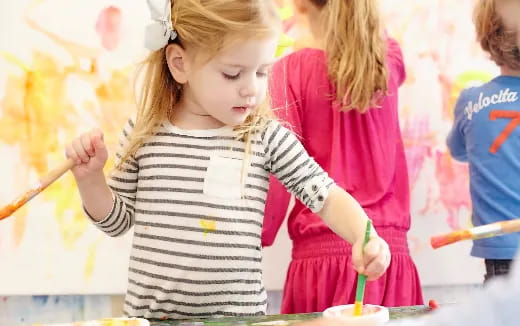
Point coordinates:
[(177, 63)]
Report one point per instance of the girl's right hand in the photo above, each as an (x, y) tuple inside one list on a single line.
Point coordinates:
[(90, 154)]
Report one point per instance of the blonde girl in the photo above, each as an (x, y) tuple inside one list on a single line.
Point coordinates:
[(194, 166)]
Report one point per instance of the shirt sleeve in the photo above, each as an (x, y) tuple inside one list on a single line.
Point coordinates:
[(289, 162), (123, 184), (456, 141), (287, 109), (496, 304), (395, 55)]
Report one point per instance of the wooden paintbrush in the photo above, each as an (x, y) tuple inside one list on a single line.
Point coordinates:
[(45, 181), (479, 232)]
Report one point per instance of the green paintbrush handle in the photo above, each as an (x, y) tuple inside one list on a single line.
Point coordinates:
[(362, 279)]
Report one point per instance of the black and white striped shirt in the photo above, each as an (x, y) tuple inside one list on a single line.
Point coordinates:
[(196, 249)]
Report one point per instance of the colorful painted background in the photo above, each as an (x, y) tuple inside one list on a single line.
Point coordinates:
[(67, 65)]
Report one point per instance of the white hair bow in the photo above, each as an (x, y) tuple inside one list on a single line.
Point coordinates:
[(158, 33)]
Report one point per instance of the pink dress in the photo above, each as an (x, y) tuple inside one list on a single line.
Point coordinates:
[(364, 154)]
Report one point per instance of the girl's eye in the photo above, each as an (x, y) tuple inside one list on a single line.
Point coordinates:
[(231, 77), (261, 74)]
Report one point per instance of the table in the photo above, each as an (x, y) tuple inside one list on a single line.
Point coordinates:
[(280, 320)]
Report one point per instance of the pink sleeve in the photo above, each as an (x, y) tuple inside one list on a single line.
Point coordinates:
[(395, 57), (283, 101)]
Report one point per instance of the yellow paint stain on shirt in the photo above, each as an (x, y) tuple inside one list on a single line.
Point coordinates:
[(208, 226)]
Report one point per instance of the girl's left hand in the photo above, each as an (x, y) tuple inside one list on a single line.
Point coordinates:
[(375, 259)]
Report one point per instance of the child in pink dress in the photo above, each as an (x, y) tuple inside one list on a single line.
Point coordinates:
[(342, 102)]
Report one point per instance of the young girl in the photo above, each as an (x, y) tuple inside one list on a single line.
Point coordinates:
[(347, 117), (485, 133), (194, 166)]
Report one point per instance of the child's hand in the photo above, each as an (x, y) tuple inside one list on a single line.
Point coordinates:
[(375, 259), (90, 154)]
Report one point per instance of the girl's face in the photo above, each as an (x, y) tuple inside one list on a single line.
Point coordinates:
[(226, 89)]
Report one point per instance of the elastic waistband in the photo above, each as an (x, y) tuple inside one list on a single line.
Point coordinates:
[(330, 244)]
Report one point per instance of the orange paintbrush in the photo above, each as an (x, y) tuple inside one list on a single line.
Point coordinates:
[(479, 232), (45, 181)]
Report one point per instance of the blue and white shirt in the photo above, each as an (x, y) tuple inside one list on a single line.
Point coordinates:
[(486, 134)]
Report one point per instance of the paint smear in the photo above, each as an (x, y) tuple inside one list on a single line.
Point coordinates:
[(91, 259), (452, 178), (19, 225), (208, 226), (71, 222), (108, 27), (418, 140)]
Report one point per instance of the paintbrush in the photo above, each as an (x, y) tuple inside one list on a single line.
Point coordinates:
[(479, 232), (362, 279), (44, 182)]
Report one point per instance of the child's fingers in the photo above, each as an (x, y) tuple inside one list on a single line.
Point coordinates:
[(71, 153), (377, 259), (86, 142), (375, 269), (80, 150), (371, 251), (97, 140), (357, 257)]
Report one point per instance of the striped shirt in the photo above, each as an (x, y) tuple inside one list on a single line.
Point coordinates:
[(196, 250)]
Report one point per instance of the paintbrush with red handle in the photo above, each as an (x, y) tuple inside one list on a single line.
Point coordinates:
[(45, 181), (479, 232)]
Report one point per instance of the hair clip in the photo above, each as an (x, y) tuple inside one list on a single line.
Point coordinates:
[(158, 33)]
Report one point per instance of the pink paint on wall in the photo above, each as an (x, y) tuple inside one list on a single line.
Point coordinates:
[(108, 27)]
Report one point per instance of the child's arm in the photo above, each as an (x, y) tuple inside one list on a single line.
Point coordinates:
[(90, 154), (111, 207), (302, 176), (350, 224), (456, 141), (343, 214)]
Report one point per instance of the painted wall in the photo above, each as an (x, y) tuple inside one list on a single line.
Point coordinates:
[(66, 66)]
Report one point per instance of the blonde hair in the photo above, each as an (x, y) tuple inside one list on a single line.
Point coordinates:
[(355, 50), (196, 22), (494, 37)]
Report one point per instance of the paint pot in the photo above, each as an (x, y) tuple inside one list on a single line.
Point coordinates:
[(372, 315)]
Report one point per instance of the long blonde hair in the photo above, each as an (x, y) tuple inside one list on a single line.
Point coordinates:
[(207, 26), (356, 51), (494, 36)]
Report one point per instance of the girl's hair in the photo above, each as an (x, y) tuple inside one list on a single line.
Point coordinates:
[(355, 50), (494, 37), (207, 26)]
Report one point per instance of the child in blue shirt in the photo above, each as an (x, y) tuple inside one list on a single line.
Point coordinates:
[(486, 133)]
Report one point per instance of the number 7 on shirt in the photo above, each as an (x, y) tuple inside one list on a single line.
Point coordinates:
[(502, 114)]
